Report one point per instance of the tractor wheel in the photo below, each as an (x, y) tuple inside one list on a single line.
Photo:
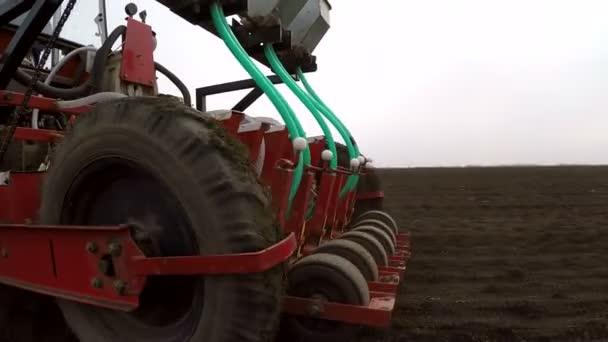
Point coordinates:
[(380, 235), (326, 277), (29, 317), (354, 253), (370, 243), (176, 175), (377, 215), (379, 224)]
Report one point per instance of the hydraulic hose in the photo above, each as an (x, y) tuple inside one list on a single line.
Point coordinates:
[(101, 57), (84, 89), (178, 83), (293, 126), (279, 69), (88, 100), (54, 72), (351, 145)]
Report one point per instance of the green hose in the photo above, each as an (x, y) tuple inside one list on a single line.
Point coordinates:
[(293, 125), (279, 69), (353, 149)]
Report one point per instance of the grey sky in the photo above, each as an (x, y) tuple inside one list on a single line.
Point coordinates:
[(431, 82)]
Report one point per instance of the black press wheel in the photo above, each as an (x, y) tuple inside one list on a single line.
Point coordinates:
[(354, 253), (379, 224), (160, 165), (380, 235), (377, 215), (370, 243), (327, 278)]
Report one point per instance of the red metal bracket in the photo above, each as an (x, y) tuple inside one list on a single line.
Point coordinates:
[(38, 102), (138, 54), (44, 259), (377, 313), (370, 195)]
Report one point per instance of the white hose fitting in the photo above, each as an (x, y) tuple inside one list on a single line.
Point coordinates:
[(299, 144), (354, 163), (361, 160), (327, 155), (91, 99)]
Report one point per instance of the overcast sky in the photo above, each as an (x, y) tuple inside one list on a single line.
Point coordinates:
[(427, 83)]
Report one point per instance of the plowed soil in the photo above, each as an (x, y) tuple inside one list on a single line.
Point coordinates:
[(501, 254)]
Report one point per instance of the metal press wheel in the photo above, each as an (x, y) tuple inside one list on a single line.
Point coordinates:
[(380, 235), (377, 215), (325, 277), (353, 252), (378, 224), (370, 243)]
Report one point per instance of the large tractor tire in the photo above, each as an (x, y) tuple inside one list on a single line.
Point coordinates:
[(175, 174), (31, 317)]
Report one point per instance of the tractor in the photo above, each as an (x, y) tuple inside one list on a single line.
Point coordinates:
[(130, 215)]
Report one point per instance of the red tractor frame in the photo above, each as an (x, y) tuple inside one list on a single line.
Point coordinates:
[(66, 261)]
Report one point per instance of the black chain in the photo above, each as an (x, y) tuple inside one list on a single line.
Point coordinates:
[(20, 110)]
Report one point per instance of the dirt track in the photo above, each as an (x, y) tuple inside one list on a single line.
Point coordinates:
[(502, 254)]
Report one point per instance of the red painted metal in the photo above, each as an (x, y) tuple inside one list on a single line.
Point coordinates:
[(370, 195), (38, 102), (280, 186), (297, 219), (377, 313), (333, 202), (138, 54), (31, 134), (278, 146), (232, 123), (58, 261), (20, 198), (317, 223), (216, 264), (253, 140)]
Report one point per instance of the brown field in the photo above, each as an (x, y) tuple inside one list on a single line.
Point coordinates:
[(502, 254)]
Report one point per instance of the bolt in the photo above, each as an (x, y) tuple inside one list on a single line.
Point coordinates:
[(4, 252), (8, 97), (91, 247), (114, 249), (315, 309), (96, 283), (119, 286), (104, 266)]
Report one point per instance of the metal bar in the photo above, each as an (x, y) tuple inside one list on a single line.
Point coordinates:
[(203, 92), (233, 86), (74, 270), (40, 14), (11, 10), (248, 100), (377, 313), (39, 102), (216, 264), (370, 195), (31, 134)]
